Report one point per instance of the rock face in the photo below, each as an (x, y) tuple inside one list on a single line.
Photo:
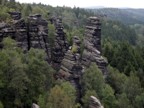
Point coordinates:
[(5, 30), (60, 44), (38, 34), (94, 103), (71, 68), (15, 15), (92, 45), (20, 31), (31, 34), (17, 30)]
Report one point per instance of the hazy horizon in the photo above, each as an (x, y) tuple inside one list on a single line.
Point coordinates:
[(90, 3)]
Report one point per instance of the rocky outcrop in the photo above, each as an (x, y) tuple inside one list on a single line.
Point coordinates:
[(92, 45), (34, 34), (71, 68), (69, 63), (15, 15), (94, 103), (30, 34), (5, 30), (60, 44), (20, 27), (17, 30), (38, 34)]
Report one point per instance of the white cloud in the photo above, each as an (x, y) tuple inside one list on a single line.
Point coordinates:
[(87, 3)]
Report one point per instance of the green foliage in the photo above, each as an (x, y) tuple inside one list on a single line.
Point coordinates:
[(12, 69), (94, 83), (139, 29), (123, 56), (51, 34), (108, 97), (23, 76), (128, 89), (1, 105), (74, 49), (139, 101), (119, 32), (93, 79), (86, 97), (9, 43), (61, 96), (27, 10), (116, 79), (126, 16), (69, 90), (123, 101), (42, 101), (132, 88), (4, 16)]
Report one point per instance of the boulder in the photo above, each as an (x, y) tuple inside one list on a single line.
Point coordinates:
[(35, 106), (94, 103)]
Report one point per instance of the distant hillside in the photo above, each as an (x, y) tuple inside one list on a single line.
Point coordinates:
[(128, 16)]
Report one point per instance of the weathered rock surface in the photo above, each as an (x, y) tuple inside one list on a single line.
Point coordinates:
[(15, 15), (94, 103), (38, 34), (35, 106), (92, 45), (31, 34), (71, 68), (20, 27), (60, 44), (17, 30)]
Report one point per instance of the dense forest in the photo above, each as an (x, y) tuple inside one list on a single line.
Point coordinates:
[(127, 16), (26, 78)]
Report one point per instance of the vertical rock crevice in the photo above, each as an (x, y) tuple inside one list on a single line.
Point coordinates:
[(71, 67)]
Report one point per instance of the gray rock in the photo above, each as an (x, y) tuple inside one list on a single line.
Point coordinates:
[(71, 68), (60, 44), (35, 106), (92, 45), (31, 34), (94, 103)]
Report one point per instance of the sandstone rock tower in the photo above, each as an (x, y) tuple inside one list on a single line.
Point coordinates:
[(92, 45), (60, 44), (71, 68), (38, 34)]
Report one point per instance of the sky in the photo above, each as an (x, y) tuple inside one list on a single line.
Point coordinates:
[(90, 3)]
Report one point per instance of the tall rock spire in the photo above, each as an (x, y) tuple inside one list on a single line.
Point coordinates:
[(92, 45), (60, 44), (38, 34)]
